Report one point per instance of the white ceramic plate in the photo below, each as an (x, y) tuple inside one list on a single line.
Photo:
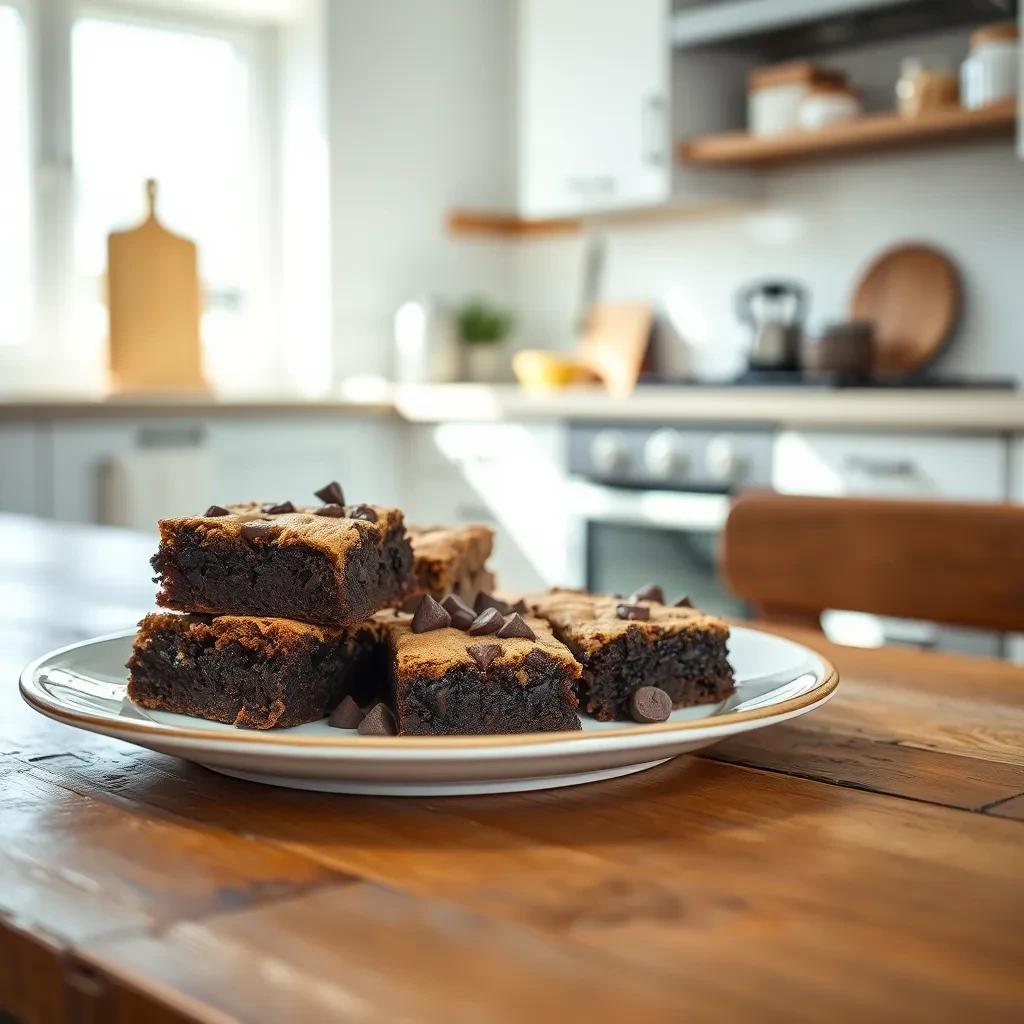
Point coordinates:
[(84, 686)]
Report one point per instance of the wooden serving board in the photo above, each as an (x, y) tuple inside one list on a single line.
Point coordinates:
[(911, 293), (614, 343), (153, 298)]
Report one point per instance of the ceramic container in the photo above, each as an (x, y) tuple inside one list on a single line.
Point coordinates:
[(826, 104), (990, 73)]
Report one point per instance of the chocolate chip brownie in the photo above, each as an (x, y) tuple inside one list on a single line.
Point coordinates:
[(452, 560), (507, 674), (253, 672), (333, 564), (626, 644)]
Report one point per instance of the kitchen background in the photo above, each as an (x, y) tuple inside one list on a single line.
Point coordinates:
[(336, 160)]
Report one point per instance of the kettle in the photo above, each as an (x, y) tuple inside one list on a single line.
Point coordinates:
[(774, 310)]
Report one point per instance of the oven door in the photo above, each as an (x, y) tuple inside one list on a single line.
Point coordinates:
[(623, 538)]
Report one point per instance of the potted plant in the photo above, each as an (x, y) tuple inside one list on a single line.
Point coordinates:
[(483, 329)]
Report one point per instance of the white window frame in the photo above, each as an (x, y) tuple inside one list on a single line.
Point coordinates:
[(51, 359)]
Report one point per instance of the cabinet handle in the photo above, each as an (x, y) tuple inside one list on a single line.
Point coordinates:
[(880, 467), (653, 130)]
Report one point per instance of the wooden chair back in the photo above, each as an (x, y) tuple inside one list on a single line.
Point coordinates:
[(956, 563)]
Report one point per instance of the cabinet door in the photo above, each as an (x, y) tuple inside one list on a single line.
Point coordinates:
[(593, 105), (19, 467)]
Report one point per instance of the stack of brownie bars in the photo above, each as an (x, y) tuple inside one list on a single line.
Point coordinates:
[(284, 615)]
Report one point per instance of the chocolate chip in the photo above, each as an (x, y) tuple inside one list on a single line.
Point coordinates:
[(490, 620), (515, 625), (484, 601), (347, 715), (378, 721), (331, 511), (278, 509), (217, 510), (453, 603), (363, 512), (259, 529), (429, 615), (520, 606), (484, 654), (650, 592), (462, 615), (462, 620), (633, 611), (330, 494), (650, 704), (683, 602)]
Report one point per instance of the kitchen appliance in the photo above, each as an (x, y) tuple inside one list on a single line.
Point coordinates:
[(774, 311), (911, 294), (649, 504), (426, 343)]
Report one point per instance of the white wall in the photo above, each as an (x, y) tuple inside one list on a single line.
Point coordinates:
[(420, 98)]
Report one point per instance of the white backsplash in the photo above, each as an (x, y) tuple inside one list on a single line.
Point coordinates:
[(821, 224)]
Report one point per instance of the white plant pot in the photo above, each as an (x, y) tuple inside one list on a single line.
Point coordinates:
[(486, 363)]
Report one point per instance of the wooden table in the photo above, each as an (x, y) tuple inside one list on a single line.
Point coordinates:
[(863, 863)]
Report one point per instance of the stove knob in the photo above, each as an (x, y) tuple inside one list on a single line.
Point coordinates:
[(723, 462), (665, 455), (610, 453)]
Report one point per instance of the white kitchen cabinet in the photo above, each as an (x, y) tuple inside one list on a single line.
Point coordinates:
[(132, 471), (948, 467), (20, 467), (508, 475), (593, 105)]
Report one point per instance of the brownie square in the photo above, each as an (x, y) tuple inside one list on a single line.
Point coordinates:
[(439, 687), (452, 560), (293, 565), (679, 650), (253, 672)]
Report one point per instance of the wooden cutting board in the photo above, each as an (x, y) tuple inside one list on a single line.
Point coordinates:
[(614, 343), (911, 293), (153, 298)]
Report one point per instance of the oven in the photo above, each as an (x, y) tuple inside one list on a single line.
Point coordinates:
[(650, 504)]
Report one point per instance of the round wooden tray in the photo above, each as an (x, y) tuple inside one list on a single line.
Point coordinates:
[(911, 293)]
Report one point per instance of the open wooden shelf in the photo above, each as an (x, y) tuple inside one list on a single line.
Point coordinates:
[(506, 225), (871, 132)]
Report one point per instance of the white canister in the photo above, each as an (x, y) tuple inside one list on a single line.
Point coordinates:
[(826, 104), (990, 73), (774, 95)]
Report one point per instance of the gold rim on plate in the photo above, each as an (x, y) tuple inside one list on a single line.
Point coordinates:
[(52, 709)]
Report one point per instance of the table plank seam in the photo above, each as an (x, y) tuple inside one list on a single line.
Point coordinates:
[(987, 808), (795, 773)]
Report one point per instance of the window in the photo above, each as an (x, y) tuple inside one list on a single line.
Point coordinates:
[(15, 196), (96, 96), (156, 102)]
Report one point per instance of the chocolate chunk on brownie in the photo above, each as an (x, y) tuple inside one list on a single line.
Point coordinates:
[(253, 672), (624, 646), (452, 560), (301, 565), (445, 682)]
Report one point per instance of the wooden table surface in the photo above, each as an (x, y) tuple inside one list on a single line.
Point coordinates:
[(863, 863)]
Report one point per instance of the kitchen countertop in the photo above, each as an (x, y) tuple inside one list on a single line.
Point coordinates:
[(862, 864), (913, 409)]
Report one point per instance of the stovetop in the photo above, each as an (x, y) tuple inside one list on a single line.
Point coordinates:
[(795, 378)]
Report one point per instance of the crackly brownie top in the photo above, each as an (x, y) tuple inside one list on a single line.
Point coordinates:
[(444, 553), (264, 635), (591, 620), (438, 651), (332, 535)]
